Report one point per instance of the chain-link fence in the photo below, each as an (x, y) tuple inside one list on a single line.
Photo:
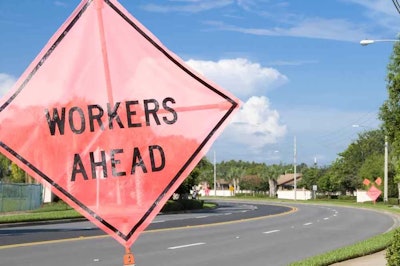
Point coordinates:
[(20, 197)]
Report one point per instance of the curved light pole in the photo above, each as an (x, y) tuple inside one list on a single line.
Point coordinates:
[(367, 42), (385, 179)]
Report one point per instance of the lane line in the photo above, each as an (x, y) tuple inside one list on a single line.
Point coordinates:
[(187, 246), (326, 218), (199, 217), (46, 242), (307, 224), (272, 231)]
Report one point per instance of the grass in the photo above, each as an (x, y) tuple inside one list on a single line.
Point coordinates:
[(366, 247), (53, 211)]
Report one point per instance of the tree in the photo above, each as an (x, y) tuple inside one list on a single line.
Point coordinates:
[(349, 163), (390, 110), (18, 175), (5, 172), (310, 177), (193, 178), (273, 172)]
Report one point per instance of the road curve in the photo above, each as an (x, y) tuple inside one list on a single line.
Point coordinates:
[(274, 240)]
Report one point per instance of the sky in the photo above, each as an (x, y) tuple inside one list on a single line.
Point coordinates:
[(307, 86)]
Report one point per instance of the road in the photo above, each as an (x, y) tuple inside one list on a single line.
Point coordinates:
[(272, 240)]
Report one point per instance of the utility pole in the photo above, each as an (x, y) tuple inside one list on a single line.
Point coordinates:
[(215, 175), (385, 178), (294, 166)]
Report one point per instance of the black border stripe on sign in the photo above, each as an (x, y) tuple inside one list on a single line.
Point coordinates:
[(20, 88), (46, 55), (184, 167), (208, 137)]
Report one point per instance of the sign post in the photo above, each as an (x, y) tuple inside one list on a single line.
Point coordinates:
[(111, 119), (129, 259)]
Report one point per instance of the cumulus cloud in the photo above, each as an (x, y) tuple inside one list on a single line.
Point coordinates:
[(240, 76), (256, 124), (6, 82)]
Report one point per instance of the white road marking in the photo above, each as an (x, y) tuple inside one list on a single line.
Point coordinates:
[(326, 218), (204, 216), (228, 213), (187, 246), (272, 231), (307, 224), (155, 222)]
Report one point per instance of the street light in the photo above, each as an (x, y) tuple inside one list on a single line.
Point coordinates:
[(385, 179), (367, 42), (385, 169)]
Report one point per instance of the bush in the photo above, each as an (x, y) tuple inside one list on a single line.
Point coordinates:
[(191, 204), (393, 201), (393, 251), (172, 206), (182, 205), (347, 197)]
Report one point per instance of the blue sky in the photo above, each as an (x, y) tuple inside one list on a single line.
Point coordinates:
[(297, 66)]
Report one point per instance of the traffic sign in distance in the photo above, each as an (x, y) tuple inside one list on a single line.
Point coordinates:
[(111, 119)]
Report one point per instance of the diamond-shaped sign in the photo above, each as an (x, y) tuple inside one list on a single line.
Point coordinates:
[(111, 119), (373, 193)]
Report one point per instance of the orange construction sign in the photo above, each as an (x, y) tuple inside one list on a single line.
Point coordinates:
[(111, 118)]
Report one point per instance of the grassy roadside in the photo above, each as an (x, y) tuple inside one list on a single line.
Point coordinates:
[(60, 210)]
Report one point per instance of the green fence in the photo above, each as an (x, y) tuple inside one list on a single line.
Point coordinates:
[(20, 197)]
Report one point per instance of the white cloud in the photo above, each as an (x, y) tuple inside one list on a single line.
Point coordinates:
[(381, 12), (188, 6), (6, 82), (60, 3), (317, 28), (256, 124), (240, 76)]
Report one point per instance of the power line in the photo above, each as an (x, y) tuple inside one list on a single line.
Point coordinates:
[(397, 5)]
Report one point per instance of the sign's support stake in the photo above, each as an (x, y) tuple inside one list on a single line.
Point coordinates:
[(129, 259), (99, 7)]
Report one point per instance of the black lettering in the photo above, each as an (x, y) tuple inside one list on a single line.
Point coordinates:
[(137, 161), (130, 113), (56, 121), (102, 163), (114, 162), (161, 165), (113, 115), (97, 116), (81, 116), (152, 111), (78, 168), (171, 110)]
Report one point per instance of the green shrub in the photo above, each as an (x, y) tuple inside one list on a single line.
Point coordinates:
[(393, 201), (191, 204), (346, 197), (172, 206), (182, 205), (393, 251)]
